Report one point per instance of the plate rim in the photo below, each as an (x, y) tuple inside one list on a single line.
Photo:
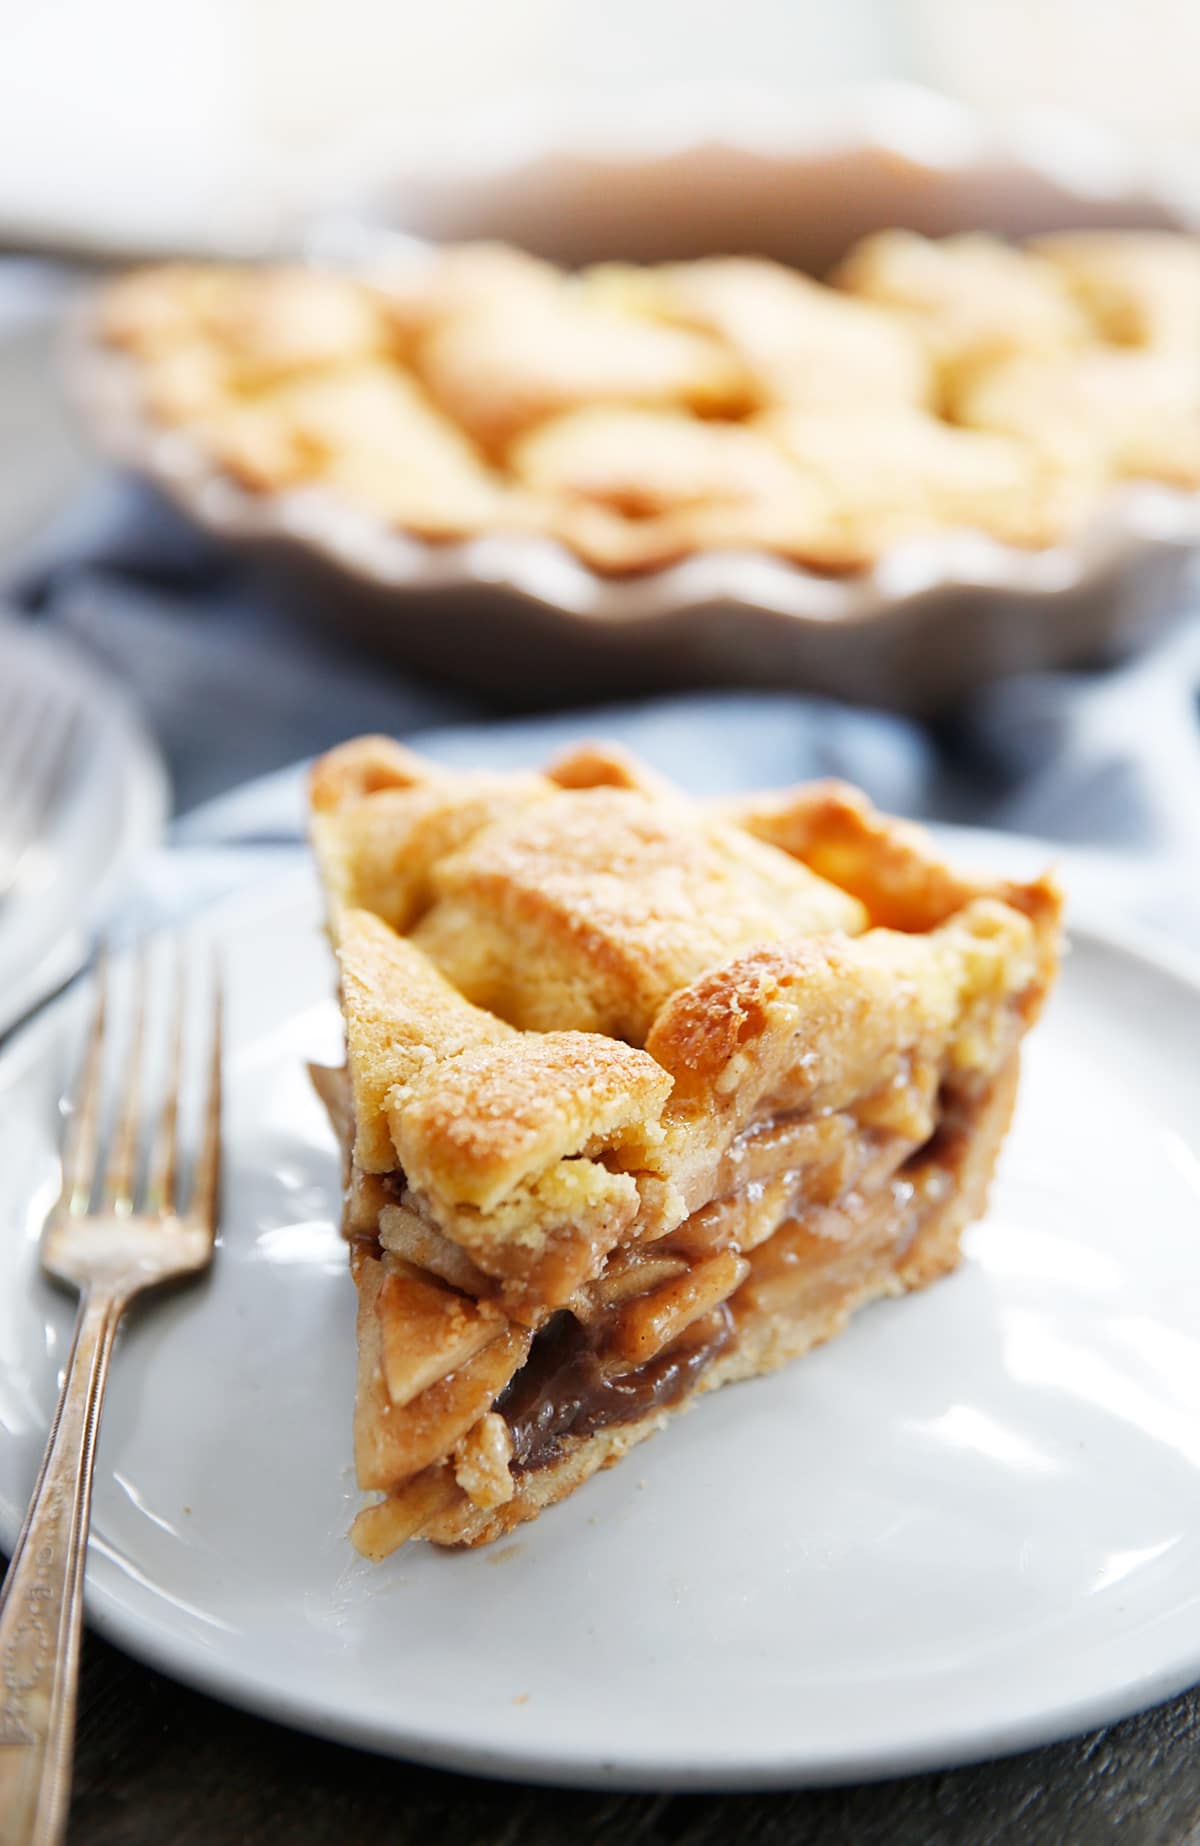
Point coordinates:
[(440, 1745), (145, 802)]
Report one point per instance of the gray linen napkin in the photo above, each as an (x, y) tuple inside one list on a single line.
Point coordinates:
[(1107, 761)]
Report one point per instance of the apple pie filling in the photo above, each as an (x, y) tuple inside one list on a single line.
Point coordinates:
[(811, 1217)]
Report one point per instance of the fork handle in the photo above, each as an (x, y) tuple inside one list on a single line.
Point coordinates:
[(41, 1605)]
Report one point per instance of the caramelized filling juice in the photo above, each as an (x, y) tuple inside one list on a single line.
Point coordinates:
[(564, 1389)]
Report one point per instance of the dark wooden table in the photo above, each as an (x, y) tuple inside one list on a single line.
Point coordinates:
[(159, 1763)]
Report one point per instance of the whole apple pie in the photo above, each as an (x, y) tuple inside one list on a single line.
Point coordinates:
[(641, 1096), (640, 415)]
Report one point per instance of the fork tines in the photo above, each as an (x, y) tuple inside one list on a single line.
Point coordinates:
[(118, 1190)]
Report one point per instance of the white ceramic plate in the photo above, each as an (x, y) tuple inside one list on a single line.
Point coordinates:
[(111, 809), (968, 1525)]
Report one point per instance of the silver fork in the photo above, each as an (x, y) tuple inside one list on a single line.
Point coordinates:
[(36, 732), (109, 1252)]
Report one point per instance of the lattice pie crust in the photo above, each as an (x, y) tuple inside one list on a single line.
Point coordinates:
[(641, 415)]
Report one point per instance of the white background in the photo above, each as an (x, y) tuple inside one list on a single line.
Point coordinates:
[(139, 122)]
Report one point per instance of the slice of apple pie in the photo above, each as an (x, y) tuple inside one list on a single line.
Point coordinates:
[(641, 1096)]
